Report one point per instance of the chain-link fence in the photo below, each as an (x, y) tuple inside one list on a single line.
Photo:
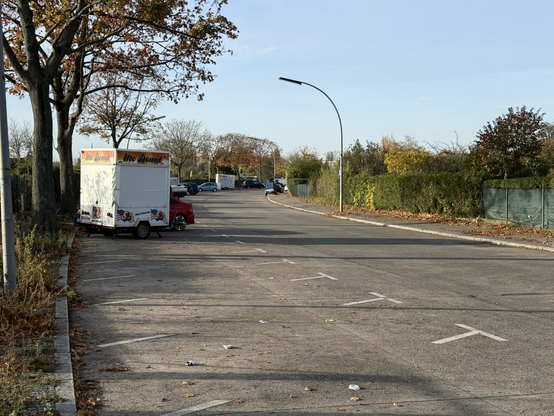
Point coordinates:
[(300, 191), (532, 207)]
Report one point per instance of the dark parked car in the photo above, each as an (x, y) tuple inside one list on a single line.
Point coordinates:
[(193, 188), (253, 184)]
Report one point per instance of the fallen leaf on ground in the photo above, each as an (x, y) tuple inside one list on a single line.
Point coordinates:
[(188, 395), (355, 399)]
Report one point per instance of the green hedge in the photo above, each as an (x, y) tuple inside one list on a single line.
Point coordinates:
[(448, 194), (297, 181), (546, 182)]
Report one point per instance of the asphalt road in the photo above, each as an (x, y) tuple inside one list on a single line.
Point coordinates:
[(424, 325)]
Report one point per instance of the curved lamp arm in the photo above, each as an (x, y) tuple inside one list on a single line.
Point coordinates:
[(340, 124)]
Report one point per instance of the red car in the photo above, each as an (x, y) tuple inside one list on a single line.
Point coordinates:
[(180, 214)]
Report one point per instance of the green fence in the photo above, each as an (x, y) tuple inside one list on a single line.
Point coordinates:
[(532, 207), (300, 191)]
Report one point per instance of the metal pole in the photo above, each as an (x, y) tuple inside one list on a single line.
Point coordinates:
[(273, 163), (8, 245), (341, 138)]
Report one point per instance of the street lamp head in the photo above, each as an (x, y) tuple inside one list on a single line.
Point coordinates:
[(291, 80)]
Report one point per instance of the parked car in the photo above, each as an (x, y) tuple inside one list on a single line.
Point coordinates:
[(282, 183), (179, 191), (193, 187), (208, 186), (180, 214), (252, 184)]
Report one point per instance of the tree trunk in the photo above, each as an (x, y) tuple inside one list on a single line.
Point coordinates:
[(44, 201), (65, 147)]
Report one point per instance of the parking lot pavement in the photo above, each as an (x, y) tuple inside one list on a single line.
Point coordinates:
[(481, 231), (281, 311)]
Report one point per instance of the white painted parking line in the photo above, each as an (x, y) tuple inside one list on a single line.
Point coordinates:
[(197, 408), (133, 340), (240, 242), (482, 332), (472, 331), (379, 297), (119, 301), (321, 275), (361, 301), (250, 251), (218, 235), (108, 278), (278, 262), (102, 262)]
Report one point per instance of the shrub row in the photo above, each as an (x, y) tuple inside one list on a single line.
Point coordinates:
[(546, 182), (448, 194)]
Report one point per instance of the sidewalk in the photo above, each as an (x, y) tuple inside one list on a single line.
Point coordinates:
[(526, 238)]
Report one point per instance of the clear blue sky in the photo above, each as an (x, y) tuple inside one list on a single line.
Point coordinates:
[(424, 68)]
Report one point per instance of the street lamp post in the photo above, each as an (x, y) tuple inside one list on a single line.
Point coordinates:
[(341, 138)]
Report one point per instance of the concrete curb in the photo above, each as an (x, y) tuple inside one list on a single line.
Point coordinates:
[(419, 230), (64, 369)]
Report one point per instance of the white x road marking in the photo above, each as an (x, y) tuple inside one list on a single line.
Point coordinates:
[(321, 275), (277, 262), (472, 331), (379, 297)]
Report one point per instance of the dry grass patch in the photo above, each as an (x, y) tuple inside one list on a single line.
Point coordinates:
[(27, 324)]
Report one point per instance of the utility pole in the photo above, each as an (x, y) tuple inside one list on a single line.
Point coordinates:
[(8, 244)]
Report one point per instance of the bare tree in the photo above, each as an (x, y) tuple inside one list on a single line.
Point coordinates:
[(118, 114), (265, 150), (183, 138), (21, 140), (208, 150)]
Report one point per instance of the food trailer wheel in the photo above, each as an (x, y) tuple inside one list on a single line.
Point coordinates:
[(142, 230)]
